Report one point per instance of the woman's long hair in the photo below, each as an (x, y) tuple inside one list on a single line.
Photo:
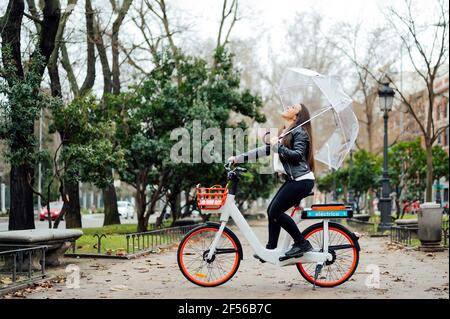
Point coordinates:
[(301, 117)]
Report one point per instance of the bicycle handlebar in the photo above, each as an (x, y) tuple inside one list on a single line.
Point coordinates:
[(228, 168)]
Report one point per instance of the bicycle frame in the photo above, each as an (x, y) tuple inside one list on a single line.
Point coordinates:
[(230, 210)]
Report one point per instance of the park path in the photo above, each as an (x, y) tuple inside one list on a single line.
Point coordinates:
[(403, 274)]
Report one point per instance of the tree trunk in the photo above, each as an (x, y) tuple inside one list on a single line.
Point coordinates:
[(22, 212), (369, 134), (110, 203), (140, 203), (160, 218), (142, 224), (175, 204), (429, 189), (71, 205)]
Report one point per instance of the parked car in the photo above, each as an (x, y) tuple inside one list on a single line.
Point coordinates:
[(55, 210), (126, 209)]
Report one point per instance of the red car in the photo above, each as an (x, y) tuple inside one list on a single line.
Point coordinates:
[(55, 210)]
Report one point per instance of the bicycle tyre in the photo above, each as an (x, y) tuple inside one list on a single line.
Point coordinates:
[(337, 229), (190, 236)]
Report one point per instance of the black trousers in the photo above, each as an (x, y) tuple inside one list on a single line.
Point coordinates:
[(289, 194)]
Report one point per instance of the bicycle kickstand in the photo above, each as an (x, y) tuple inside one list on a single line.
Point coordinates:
[(316, 274)]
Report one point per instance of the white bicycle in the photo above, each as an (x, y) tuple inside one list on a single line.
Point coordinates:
[(210, 255)]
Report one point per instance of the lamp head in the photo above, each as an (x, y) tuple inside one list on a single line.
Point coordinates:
[(386, 97)]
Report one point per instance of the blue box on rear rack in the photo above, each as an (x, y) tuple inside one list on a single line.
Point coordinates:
[(320, 211)]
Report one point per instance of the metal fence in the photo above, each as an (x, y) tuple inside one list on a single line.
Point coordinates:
[(137, 243), (148, 241), (403, 234), (21, 265)]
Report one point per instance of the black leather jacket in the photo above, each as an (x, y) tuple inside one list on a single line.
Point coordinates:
[(294, 159)]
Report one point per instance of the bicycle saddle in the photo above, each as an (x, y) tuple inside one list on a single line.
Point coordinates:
[(310, 194)]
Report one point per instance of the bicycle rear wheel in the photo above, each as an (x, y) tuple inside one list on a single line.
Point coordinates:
[(193, 250), (342, 246)]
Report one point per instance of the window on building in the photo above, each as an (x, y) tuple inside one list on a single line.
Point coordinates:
[(446, 137), (446, 109), (438, 111)]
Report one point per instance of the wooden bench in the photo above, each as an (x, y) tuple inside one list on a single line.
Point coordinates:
[(57, 241)]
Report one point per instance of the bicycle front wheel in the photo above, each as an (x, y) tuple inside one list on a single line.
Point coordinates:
[(193, 251), (344, 250)]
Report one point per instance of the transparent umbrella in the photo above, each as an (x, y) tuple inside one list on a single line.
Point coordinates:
[(334, 124)]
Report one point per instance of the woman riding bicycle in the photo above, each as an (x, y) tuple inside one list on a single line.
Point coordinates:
[(295, 153)]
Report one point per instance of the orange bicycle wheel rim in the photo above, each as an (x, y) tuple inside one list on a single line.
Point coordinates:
[(215, 282), (347, 274)]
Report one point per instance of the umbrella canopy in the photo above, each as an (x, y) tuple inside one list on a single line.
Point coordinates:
[(334, 124)]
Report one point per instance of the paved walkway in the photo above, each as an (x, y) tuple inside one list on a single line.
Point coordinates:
[(403, 274)]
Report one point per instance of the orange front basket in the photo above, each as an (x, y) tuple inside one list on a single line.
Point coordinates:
[(211, 198)]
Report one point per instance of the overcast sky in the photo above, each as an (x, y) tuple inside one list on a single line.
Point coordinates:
[(273, 15), (269, 18), (263, 20)]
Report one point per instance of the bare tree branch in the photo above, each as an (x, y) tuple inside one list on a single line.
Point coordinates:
[(32, 18), (432, 63), (233, 9), (52, 66), (115, 44), (89, 80)]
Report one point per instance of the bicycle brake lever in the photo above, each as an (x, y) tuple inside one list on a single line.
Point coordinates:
[(228, 165)]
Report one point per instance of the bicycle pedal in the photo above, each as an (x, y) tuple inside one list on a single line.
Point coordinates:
[(283, 258)]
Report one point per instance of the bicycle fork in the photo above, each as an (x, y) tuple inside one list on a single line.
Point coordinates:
[(212, 248), (325, 239)]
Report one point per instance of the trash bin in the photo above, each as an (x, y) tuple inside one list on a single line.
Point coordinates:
[(430, 227)]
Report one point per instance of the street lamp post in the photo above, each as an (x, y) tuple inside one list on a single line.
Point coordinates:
[(386, 98)]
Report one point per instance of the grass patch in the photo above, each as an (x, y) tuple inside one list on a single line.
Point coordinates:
[(120, 229), (113, 244), (410, 216), (87, 244), (111, 229), (374, 219)]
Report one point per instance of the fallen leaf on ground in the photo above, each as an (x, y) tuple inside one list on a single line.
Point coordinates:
[(119, 288), (139, 268), (5, 280)]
